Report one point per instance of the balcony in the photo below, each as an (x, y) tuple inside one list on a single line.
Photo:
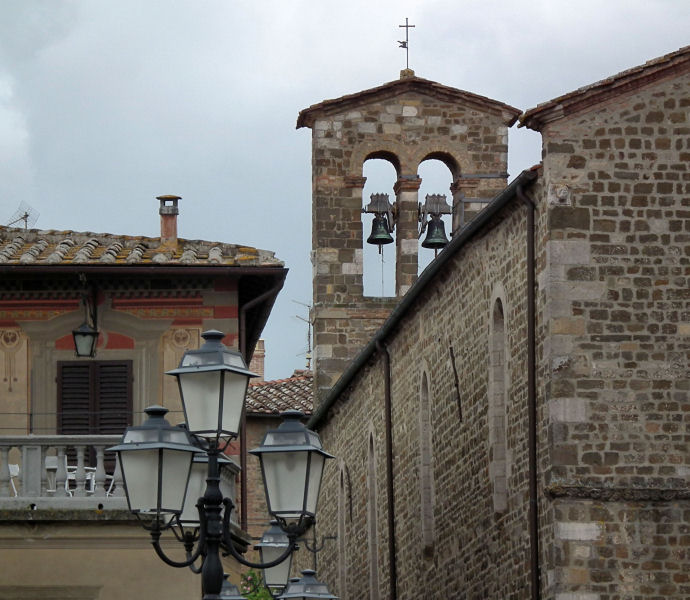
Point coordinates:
[(65, 473), (53, 472)]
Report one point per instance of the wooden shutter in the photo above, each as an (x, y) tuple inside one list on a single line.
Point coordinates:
[(113, 388), (94, 397), (74, 398)]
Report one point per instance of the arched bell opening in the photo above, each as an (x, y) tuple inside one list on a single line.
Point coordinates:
[(378, 224), (437, 171)]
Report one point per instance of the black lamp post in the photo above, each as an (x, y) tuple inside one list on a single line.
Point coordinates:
[(213, 383)]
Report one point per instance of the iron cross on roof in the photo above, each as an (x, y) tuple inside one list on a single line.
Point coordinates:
[(405, 44)]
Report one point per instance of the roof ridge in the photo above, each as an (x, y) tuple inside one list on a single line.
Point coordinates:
[(606, 88)]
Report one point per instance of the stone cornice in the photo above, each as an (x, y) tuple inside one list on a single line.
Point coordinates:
[(405, 184), (617, 494)]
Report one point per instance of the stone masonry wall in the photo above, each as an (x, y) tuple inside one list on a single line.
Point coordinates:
[(404, 129), (475, 551), (616, 296)]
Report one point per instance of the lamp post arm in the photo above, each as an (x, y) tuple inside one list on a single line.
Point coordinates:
[(189, 539), (314, 548), (291, 547), (191, 558)]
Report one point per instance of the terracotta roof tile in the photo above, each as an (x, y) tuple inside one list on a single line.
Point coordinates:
[(48, 248), (274, 397), (606, 89)]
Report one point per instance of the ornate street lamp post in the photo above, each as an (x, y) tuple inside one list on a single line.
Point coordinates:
[(213, 383)]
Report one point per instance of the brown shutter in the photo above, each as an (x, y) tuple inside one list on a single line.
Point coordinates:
[(94, 397), (74, 398), (113, 388)]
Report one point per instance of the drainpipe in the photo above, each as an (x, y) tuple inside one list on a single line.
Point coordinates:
[(532, 399), (389, 467), (243, 422)]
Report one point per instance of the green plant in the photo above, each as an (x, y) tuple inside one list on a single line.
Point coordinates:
[(252, 586)]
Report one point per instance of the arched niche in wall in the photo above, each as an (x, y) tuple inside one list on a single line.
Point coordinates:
[(497, 405), (426, 467), (372, 519)]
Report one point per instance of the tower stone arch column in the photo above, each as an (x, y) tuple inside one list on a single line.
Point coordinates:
[(407, 213)]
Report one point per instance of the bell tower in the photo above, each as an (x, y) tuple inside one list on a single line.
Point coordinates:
[(405, 122)]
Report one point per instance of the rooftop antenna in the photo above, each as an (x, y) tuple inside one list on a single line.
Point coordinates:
[(405, 44), (25, 213), (309, 326)]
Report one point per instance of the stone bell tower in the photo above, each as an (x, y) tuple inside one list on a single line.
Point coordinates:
[(406, 122)]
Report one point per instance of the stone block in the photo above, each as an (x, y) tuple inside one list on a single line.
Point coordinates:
[(568, 252), (568, 410), (573, 530)]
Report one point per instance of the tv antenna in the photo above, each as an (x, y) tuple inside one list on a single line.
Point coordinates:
[(26, 213), (309, 326)]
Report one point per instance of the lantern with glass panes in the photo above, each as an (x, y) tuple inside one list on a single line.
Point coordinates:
[(213, 383)]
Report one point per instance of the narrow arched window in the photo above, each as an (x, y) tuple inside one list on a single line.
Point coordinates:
[(342, 521), (426, 470), (498, 464), (372, 522)]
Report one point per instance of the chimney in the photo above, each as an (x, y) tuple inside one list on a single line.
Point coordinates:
[(168, 211), (256, 364)]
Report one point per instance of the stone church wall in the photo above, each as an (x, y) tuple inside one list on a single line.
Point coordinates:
[(475, 549), (617, 330)]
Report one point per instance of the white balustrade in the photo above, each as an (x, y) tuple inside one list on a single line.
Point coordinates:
[(53, 471)]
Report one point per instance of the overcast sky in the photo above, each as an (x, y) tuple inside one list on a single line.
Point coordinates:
[(105, 105)]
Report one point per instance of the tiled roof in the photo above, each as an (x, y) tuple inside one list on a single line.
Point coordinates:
[(274, 397), (611, 87), (46, 248), (406, 84)]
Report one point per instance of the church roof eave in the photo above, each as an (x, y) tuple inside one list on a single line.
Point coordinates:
[(610, 88)]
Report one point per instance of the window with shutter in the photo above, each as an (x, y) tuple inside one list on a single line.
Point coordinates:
[(94, 397)]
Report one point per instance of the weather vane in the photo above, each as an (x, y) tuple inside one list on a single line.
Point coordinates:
[(406, 42)]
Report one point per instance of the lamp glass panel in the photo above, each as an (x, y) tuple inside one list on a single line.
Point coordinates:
[(195, 490), (315, 472), (285, 475), (140, 470), (200, 394), (233, 400), (84, 344), (176, 465), (275, 576)]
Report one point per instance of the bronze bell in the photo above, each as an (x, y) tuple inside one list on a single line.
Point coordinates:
[(379, 232), (435, 234)]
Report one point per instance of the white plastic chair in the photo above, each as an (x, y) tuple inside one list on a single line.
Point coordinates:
[(71, 470), (14, 472)]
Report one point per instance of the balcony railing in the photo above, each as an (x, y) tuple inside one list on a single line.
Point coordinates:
[(66, 472), (56, 472)]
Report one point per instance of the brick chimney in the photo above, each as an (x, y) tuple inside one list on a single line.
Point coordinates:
[(168, 211), (256, 364)]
